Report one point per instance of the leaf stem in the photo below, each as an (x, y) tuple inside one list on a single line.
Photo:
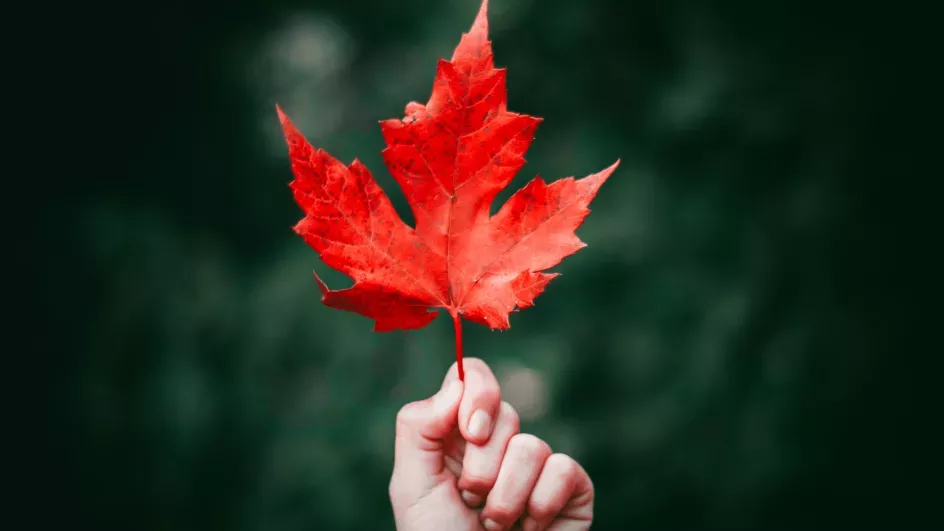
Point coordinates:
[(457, 321)]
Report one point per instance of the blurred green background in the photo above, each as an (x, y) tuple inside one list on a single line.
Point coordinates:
[(732, 351)]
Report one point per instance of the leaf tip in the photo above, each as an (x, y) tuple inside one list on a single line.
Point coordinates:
[(321, 285), (589, 185), (287, 126), (481, 19)]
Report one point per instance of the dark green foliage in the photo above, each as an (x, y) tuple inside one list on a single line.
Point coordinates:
[(720, 360)]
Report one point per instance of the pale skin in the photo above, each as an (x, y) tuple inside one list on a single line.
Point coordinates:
[(462, 464)]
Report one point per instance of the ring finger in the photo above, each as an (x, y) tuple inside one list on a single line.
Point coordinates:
[(524, 459)]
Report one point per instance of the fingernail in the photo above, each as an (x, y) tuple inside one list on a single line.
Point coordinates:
[(471, 499), (480, 424), (529, 524), (491, 525), (454, 466)]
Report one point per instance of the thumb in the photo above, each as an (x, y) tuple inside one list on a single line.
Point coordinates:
[(421, 429)]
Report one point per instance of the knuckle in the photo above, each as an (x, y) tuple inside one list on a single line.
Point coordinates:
[(562, 464), (502, 511), (407, 415), (540, 509), (476, 483), (529, 445), (509, 416), (403, 416)]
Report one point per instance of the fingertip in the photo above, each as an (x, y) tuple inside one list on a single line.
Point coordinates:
[(472, 499), (481, 399), (435, 416), (469, 364)]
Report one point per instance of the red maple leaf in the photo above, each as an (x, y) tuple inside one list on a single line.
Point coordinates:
[(451, 156)]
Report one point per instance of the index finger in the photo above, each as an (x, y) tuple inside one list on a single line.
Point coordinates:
[(480, 400)]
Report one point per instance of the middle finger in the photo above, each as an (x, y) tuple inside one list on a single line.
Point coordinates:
[(482, 463)]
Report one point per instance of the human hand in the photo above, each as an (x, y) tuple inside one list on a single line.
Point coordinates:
[(451, 457)]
